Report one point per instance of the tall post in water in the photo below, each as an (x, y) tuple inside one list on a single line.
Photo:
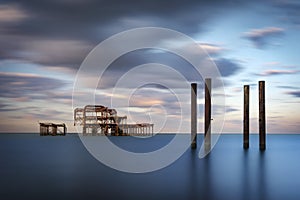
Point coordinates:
[(246, 116), (194, 115), (262, 117), (207, 117)]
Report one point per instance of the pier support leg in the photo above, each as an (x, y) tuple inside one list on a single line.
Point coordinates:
[(207, 117), (262, 117), (246, 116), (194, 115), (65, 130)]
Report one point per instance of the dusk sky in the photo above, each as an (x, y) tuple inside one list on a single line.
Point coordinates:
[(43, 43)]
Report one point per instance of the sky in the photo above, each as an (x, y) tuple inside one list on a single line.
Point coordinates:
[(44, 43)]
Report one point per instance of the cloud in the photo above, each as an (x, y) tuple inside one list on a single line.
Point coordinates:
[(277, 72), (154, 73), (289, 10), (261, 37), (44, 52), (294, 93), (288, 87), (55, 52), (49, 114), (272, 64), (11, 13), (125, 66), (20, 85), (63, 32), (227, 67), (62, 95), (230, 109), (7, 108), (211, 49)]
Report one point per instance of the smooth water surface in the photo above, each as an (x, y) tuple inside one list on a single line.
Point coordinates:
[(34, 167)]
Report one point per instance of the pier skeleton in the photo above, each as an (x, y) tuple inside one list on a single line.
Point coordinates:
[(101, 120), (53, 129)]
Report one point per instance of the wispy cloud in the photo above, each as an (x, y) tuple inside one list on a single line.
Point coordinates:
[(20, 85), (211, 49), (277, 72), (294, 93), (275, 64), (12, 13), (7, 108), (272, 64), (55, 52), (261, 37), (228, 67), (61, 33), (230, 109), (288, 87), (289, 10)]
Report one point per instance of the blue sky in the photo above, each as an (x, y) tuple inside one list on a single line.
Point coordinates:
[(44, 43)]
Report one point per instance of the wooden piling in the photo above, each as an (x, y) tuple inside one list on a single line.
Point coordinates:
[(262, 117), (194, 115), (246, 117), (207, 117)]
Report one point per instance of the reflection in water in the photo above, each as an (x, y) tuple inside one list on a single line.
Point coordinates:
[(208, 191), (262, 179), (61, 168), (199, 177), (193, 175), (245, 177), (254, 175)]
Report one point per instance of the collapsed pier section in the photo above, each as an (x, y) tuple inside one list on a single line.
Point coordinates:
[(53, 129), (101, 120)]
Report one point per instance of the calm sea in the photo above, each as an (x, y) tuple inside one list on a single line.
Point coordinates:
[(34, 167)]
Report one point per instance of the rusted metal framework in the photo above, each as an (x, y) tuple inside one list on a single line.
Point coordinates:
[(52, 129), (101, 120)]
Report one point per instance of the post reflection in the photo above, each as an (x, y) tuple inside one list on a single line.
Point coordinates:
[(245, 176), (254, 175), (200, 186), (262, 176)]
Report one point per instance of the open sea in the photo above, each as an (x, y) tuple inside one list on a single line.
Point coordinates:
[(35, 167)]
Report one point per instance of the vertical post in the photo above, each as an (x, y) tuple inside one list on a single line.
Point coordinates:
[(194, 115), (262, 117), (54, 129), (246, 116), (65, 129), (152, 128), (207, 117), (84, 121)]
